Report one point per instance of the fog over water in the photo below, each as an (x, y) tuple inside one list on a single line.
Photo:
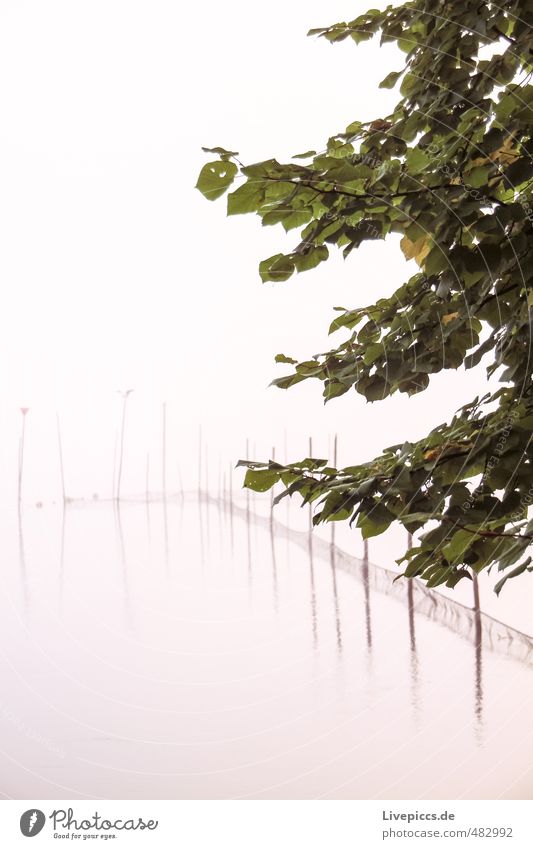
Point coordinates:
[(179, 651)]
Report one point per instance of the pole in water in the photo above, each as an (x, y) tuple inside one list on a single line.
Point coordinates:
[(272, 490), (310, 507), (478, 647), (124, 395), (115, 452), (366, 586), (410, 601), (475, 586), (206, 471), (61, 467), (288, 507), (147, 483), (334, 466), (247, 490), (231, 502), (164, 452), (199, 462), (24, 411)]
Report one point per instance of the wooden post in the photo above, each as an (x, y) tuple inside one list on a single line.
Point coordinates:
[(310, 506), (164, 452), (147, 483), (247, 490), (199, 463), (24, 411), (125, 395), (272, 491), (335, 466), (61, 467), (180, 484)]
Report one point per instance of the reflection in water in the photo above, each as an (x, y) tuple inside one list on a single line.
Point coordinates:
[(165, 529), (147, 498), (412, 638), (273, 544), (274, 566), (478, 646), (201, 534), (22, 558), (248, 541), (479, 671), (314, 615), (415, 695), (216, 697), (366, 585), (62, 554), (333, 524), (336, 607), (231, 506), (124, 571), (207, 490)]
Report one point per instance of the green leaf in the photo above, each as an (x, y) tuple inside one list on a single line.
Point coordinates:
[(287, 381), (376, 388), (260, 480), (477, 177), (391, 79), (222, 152), (311, 258), (215, 178), (519, 171), (247, 198), (276, 268), (518, 570), (375, 522), (417, 161)]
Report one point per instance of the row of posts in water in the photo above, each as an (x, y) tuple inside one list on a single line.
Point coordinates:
[(222, 487)]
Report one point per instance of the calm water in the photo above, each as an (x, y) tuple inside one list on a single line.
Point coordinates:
[(182, 652)]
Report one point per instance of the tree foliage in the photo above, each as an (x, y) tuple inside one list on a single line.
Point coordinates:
[(451, 171)]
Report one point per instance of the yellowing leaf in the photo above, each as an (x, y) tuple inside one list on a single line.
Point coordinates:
[(448, 448), (417, 250), (434, 454), (450, 317), (506, 153)]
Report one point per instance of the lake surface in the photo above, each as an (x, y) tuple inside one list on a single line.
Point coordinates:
[(181, 651)]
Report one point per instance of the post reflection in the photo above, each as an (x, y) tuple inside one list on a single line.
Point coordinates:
[(124, 565), (478, 660), (22, 559), (312, 587), (366, 586), (413, 656), (412, 639), (275, 594), (336, 606), (62, 555)]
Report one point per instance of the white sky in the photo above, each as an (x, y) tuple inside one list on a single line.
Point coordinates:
[(116, 273)]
